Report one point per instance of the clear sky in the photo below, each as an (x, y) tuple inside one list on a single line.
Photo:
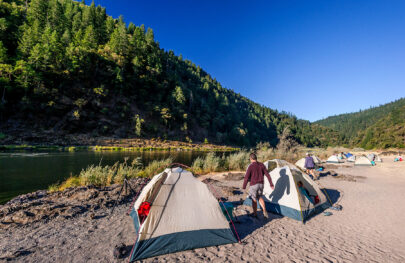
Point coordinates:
[(310, 58)]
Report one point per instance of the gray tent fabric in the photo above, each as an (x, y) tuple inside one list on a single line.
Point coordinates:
[(183, 215)]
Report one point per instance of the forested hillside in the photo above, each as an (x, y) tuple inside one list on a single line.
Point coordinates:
[(69, 68), (377, 127)]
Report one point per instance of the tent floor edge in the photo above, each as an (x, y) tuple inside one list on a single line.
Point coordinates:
[(182, 241)]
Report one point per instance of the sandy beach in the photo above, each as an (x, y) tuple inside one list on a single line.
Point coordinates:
[(370, 227)]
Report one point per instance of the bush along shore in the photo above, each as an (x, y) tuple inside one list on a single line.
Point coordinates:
[(98, 148)]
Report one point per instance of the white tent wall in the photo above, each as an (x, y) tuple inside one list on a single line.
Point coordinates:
[(362, 161), (334, 159), (184, 215), (316, 159)]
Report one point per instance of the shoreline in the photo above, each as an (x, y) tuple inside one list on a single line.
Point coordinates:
[(124, 145)]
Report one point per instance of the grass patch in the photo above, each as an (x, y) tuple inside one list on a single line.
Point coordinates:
[(99, 175)]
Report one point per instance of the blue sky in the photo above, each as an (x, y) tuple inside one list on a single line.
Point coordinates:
[(311, 58)]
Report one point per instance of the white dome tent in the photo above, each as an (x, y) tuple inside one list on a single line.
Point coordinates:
[(286, 198), (334, 159), (183, 215), (363, 161)]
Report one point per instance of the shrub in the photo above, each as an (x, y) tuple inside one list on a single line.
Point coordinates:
[(155, 167), (212, 163), (198, 165), (238, 161), (72, 181), (53, 188)]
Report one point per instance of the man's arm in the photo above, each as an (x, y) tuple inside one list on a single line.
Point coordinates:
[(247, 177)]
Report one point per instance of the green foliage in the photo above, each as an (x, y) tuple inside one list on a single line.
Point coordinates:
[(111, 174), (238, 161), (377, 127), (86, 62), (138, 125)]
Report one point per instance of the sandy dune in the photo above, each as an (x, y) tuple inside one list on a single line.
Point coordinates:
[(370, 228)]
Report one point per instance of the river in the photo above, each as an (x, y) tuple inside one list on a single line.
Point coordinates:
[(22, 173)]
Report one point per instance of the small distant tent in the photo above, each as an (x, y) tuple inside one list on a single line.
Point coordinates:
[(370, 156), (334, 159), (316, 159), (301, 162), (287, 200), (183, 215), (374, 157), (351, 158), (363, 161)]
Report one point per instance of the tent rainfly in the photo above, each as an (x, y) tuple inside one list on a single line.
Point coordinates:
[(334, 159), (363, 161), (287, 200), (183, 215)]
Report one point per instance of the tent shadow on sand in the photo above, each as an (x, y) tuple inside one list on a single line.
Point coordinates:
[(248, 225), (333, 194)]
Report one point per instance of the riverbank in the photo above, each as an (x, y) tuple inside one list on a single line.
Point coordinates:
[(85, 143), (81, 229)]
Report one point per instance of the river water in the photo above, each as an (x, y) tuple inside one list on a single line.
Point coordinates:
[(22, 173)]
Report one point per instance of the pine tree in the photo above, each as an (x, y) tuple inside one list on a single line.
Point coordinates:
[(119, 40)]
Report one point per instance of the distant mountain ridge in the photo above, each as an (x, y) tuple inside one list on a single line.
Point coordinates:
[(378, 127)]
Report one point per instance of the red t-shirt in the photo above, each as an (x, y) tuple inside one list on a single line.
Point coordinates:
[(255, 174)]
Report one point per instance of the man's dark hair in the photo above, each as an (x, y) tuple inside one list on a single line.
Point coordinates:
[(299, 183), (253, 156)]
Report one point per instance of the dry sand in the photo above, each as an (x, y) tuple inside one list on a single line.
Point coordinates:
[(370, 228)]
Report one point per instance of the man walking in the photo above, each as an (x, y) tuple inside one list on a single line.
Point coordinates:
[(255, 175)]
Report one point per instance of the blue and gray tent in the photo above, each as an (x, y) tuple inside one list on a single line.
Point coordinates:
[(183, 215), (287, 200)]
